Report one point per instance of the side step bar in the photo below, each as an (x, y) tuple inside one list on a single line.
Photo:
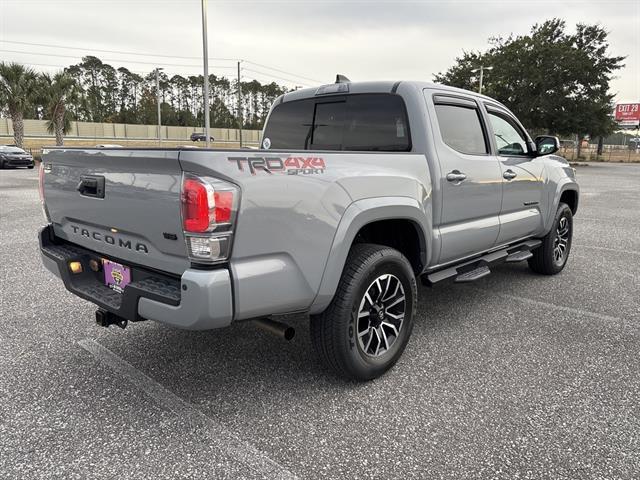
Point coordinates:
[(519, 256), (477, 268), (473, 275)]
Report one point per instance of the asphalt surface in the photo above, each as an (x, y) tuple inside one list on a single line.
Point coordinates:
[(514, 376)]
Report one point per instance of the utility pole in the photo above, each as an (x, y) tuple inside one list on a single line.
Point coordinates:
[(239, 105), (481, 69), (158, 102), (205, 54)]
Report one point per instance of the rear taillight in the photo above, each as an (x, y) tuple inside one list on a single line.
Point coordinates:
[(41, 181), (41, 172), (209, 207)]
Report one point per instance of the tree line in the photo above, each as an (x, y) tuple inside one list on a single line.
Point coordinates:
[(95, 91), (555, 82)]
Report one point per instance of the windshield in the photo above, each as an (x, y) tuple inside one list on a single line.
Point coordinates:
[(7, 149)]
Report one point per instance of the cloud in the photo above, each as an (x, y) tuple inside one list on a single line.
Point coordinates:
[(315, 39)]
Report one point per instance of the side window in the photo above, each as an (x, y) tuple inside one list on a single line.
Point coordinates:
[(328, 126), (461, 128), (509, 139)]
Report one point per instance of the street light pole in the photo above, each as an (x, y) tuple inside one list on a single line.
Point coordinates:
[(205, 54), (158, 102), (481, 69), (240, 105)]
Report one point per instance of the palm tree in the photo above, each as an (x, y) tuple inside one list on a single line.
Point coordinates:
[(57, 92), (17, 93)]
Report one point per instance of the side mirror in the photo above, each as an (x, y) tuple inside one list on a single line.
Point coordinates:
[(546, 145)]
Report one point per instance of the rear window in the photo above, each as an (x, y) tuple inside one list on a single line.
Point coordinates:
[(371, 122), (328, 126), (290, 125)]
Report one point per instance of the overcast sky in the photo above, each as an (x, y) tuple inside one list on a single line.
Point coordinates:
[(309, 40)]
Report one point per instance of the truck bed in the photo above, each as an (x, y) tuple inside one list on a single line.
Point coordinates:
[(291, 205)]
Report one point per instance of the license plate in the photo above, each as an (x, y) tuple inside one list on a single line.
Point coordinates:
[(116, 276)]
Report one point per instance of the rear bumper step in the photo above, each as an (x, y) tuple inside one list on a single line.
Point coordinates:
[(477, 268), (90, 285), (197, 301)]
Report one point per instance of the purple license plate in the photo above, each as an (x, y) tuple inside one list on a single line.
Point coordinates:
[(116, 276)]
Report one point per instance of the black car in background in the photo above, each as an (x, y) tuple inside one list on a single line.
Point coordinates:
[(200, 137), (11, 156)]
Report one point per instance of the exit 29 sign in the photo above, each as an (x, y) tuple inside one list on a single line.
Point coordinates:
[(628, 113)]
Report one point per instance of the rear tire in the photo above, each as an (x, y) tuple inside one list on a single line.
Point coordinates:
[(30, 167), (551, 257), (367, 325)]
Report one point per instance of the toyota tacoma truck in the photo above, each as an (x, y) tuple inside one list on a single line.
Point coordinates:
[(358, 190)]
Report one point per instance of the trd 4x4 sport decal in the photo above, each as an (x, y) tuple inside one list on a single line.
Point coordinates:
[(287, 166)]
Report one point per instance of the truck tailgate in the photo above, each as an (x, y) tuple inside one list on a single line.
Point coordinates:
[(121, 203)]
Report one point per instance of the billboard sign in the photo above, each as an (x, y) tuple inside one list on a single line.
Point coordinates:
[(628, 114)]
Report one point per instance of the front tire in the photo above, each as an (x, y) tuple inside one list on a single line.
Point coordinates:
[(367, 325), (551, 257)]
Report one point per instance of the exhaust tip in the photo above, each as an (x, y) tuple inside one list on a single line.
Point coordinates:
[(289, 333), (274, 327)]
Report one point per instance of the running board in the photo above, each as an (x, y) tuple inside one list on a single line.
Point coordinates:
[(519, 256), (473, 275), (478, 267)]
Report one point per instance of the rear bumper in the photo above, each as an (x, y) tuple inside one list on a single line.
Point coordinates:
[(199, 300)]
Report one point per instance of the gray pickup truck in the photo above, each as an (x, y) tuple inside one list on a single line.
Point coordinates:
[(358, 189)]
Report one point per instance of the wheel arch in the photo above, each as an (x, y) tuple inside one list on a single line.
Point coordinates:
[(366, 218), (566, 190), (570, 197)]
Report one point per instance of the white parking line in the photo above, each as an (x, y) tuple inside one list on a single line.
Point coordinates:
[(220, 437), (620, 272), (628, 252), (538, 303)]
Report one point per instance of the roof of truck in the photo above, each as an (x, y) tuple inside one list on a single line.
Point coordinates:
[(381, 86)]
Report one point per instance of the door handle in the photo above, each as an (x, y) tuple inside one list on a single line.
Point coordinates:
[(91, 186), (509, 174), (456, 176)]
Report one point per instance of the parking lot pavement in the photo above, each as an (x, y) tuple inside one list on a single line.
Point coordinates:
[(513, 376)]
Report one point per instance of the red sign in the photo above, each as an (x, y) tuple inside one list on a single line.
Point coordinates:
[(628, 113)]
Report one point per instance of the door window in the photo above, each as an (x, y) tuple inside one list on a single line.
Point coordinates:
[(461, 129), (509, 139)]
